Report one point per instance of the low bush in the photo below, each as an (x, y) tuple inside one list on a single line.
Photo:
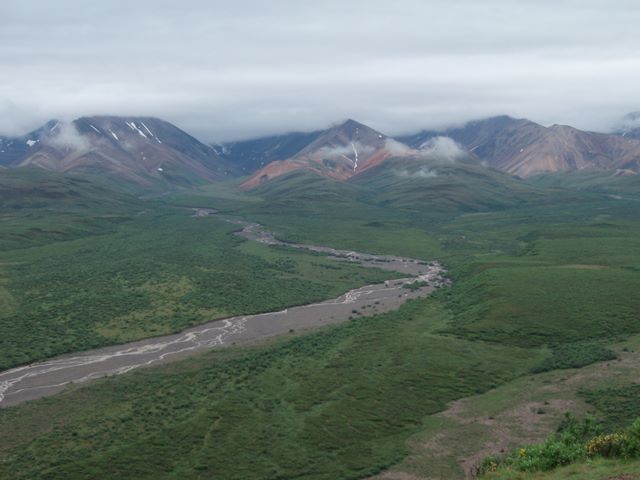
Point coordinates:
[(574, 355), (575, 440), (624, 444), (565, 446)]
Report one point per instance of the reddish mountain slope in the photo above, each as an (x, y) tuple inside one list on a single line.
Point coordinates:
[(340, 152), (524, 148)]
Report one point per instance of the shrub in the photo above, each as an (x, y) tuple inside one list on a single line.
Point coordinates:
[(574, 441), (489, 464), (607, 445), (632, 445), (561, 448), (554, 452), (574, 355), (624, 444)]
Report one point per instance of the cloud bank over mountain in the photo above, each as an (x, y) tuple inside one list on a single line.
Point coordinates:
[(229, 70)]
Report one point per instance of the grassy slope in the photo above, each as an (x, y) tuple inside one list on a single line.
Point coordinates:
[(615, 404), (521, 412), (39, 208), (580, 274), (444, 186), (607, 182), (597, 469)]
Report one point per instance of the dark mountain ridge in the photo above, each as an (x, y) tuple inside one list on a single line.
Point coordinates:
[(253, 154)]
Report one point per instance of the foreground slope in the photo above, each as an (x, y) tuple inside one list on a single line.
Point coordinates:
[(598, 469)]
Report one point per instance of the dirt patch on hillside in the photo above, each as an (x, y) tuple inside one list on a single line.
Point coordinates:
[(456, 440)]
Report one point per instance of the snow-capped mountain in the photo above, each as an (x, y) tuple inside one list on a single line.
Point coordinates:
[(139, 149)]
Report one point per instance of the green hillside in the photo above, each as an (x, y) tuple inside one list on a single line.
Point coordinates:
[(433, 184), (39, 207), (616, 184), (463, 185)]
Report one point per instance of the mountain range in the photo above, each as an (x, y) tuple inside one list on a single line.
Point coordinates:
[(524, 148), (153, 153)]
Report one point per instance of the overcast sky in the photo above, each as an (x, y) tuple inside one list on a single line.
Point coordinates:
[(232, 69)]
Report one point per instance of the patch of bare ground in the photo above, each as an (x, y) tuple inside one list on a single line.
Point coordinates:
[(456, 440)]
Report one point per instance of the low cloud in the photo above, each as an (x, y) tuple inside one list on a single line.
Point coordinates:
[(396, 148), (302, 65), (422, 172), (65, 135), (443, 148), (629, 122), (346, 151)]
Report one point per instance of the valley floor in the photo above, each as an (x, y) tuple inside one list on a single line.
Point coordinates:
[(52, 376)]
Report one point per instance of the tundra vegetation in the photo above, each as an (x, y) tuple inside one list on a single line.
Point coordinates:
[(541, 287)]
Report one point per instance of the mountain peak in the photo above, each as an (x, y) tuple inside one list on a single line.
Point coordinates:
[(351, 123), (353, 128), (503, 121), (143, 150), (341, 152)]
